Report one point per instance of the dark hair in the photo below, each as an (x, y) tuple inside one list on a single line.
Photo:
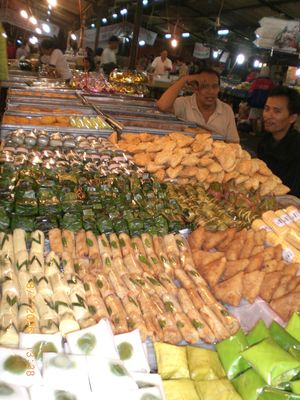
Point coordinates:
[(180, 59), (210, 71), (292, 96), (113, 39), (99, 51), (48, 44)]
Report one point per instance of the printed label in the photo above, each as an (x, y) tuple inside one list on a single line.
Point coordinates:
[(265, 228), (288, 255), (279, 222), (294, 215)]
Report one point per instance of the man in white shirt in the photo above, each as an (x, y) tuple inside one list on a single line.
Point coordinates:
[(55, 59), (22, 51), (162, 65), (109, 55), (203, 107)]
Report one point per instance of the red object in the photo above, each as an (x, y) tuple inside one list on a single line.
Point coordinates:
[(251, 76), (262, 84), (11, 50)]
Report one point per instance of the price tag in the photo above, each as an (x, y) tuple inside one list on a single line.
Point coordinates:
[(265, 228), (279, 222), (288, 255), (294, 215)]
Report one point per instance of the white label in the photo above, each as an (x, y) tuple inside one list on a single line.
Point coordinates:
[(279, 222), (265, 228), (287, 220), (294, 215), (288, 255)]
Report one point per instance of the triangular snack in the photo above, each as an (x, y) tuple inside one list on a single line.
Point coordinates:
[(205, 257), (213, 271), (234, 267), (212, 239), (230, 234), (196, 238), (269, 285), (251, 285), (230, 291), (255, 263)]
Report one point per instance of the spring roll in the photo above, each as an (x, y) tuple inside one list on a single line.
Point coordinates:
[(187, 330), (138, 247), (104, 246), (37, 242), (59, 283), (171, 303), (7, 244), (196, 277), (184, 279), (167, 283), (125, 244), (44, 288), (104, 286), (117, 313), (162, 254), (182, 244), (19, 240), (154, 283), (131, 285), (82, 249), (95, 266), (79, 306), (68, 263), (170, 245), (55, 239), (115, 246), (132, 264), (117, 284), (36, 263), (21, 260), (92, 244), (152, 323), (52, 265), (6, 265), (68, 241), (131, 307), (96, 307), (81, 267), (186, 260), (143, 283), (119, 266)]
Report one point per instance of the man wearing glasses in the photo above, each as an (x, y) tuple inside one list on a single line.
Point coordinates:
[(203, 107)]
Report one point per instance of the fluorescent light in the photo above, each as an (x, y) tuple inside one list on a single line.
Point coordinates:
[(185, 34), (4, 35), (38, 31), (104, 20), (215, 53), (174, 42), (33, 40), (115, 15), (123, 11), (73, 36), (256, 63), (24, 14), (168, 35), (298, 72), (127, 40), (19, 41), (240, 59), (260, 65), (52, 3), (145, 2), (223, 32), (33, 20), (46, 28), (93, 25), (142, 42)]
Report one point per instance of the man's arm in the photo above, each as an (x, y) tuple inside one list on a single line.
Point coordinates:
[(166, 101)]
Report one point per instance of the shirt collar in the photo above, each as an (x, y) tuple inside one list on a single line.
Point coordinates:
[(218, 110)]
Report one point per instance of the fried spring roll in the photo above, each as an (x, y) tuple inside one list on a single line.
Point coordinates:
[(96, 307), (182, 244), (125, 244), (52, 265), (131, 307), (131, 285), (171, 303), (92, 244), (68, 242), (186, 260), (119, 266), (170, 245), (131, 264), (104, 246), (82, 249), (55, 239), (116, 312), (138, 247), (104, 286), (155, 283), (117, 284), (36, 263), (115, 246), (81, 267), (187, 330), (152, 323), (19, 240), (196, 277), (184, 279), (167, 283), (162, 254)]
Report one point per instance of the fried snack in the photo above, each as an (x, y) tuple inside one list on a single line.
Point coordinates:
[(284, 306), (230, 291), (251, 285), (202, 258), (142, 159), (213, 271), (174, 172), (234, 267), (255, 262), (196, 238), (269, 285)]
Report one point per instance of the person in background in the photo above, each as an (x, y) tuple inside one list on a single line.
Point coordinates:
[(251, 76), (182, 67), (98, 54), (22, 51), (88, 66), (161, 65), (257, 96), (55, 59), (279, 147), (203, 107), (109, 55)]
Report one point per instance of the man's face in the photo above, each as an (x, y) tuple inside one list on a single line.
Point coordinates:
[(208, 89), (113, 45), (164, 55), (276, 115)]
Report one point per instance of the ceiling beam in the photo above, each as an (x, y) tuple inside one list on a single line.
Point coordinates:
[(274, 7)]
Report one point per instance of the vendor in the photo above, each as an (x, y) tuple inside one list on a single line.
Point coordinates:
[(161, 65), (203, 107), (109, 55), (55, 59), (280, 145)]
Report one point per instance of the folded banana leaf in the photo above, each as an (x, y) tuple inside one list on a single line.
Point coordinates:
[(73, 222), (22, 222), (4, 220), (105, 225), (45, 223), (136, 227), (120, 226), (26, 206)]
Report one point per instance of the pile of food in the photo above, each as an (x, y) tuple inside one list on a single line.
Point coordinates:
[(38, 93), (200, 159), (236, 265), (91, 83)]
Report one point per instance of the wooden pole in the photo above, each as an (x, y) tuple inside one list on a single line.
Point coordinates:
[(136, 31)]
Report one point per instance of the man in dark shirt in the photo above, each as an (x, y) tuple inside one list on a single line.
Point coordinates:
[(280, 145)]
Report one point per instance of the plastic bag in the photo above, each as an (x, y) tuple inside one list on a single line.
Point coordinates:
[(293, 326), (180, 389), (204, 364), (282, 337), (249, 384), (171, 361), (220, 389), (258, 333)]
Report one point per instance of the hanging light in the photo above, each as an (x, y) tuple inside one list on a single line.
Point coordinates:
[(168, 35), (124, 11), (298, 72), (52, 3), (38, 31), (48, 12), (115, 15), (142, 43), (46, 28), (33, 20), (174, 42), (256, 63), (93, 25), (215, 54), (240, 59), (145, 2), (186, 34), (4, 35), (24, 14), (104, 20), (73, 36), (33, 40), (223, 32)]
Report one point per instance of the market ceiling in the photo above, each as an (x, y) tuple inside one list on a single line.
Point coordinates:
[(199, 17)]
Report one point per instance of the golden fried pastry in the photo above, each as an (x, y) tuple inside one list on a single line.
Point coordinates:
[(142, 159), (174, 172), (190, 160)]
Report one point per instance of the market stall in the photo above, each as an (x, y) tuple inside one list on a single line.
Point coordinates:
[(125, 233)]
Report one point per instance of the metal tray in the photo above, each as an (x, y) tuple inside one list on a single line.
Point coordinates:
[(6, 129), (13, 107), (114, 99), (44, 90), (128, 111), (44, 100)]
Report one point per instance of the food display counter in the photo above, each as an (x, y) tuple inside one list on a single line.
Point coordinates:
[(140, 250)]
